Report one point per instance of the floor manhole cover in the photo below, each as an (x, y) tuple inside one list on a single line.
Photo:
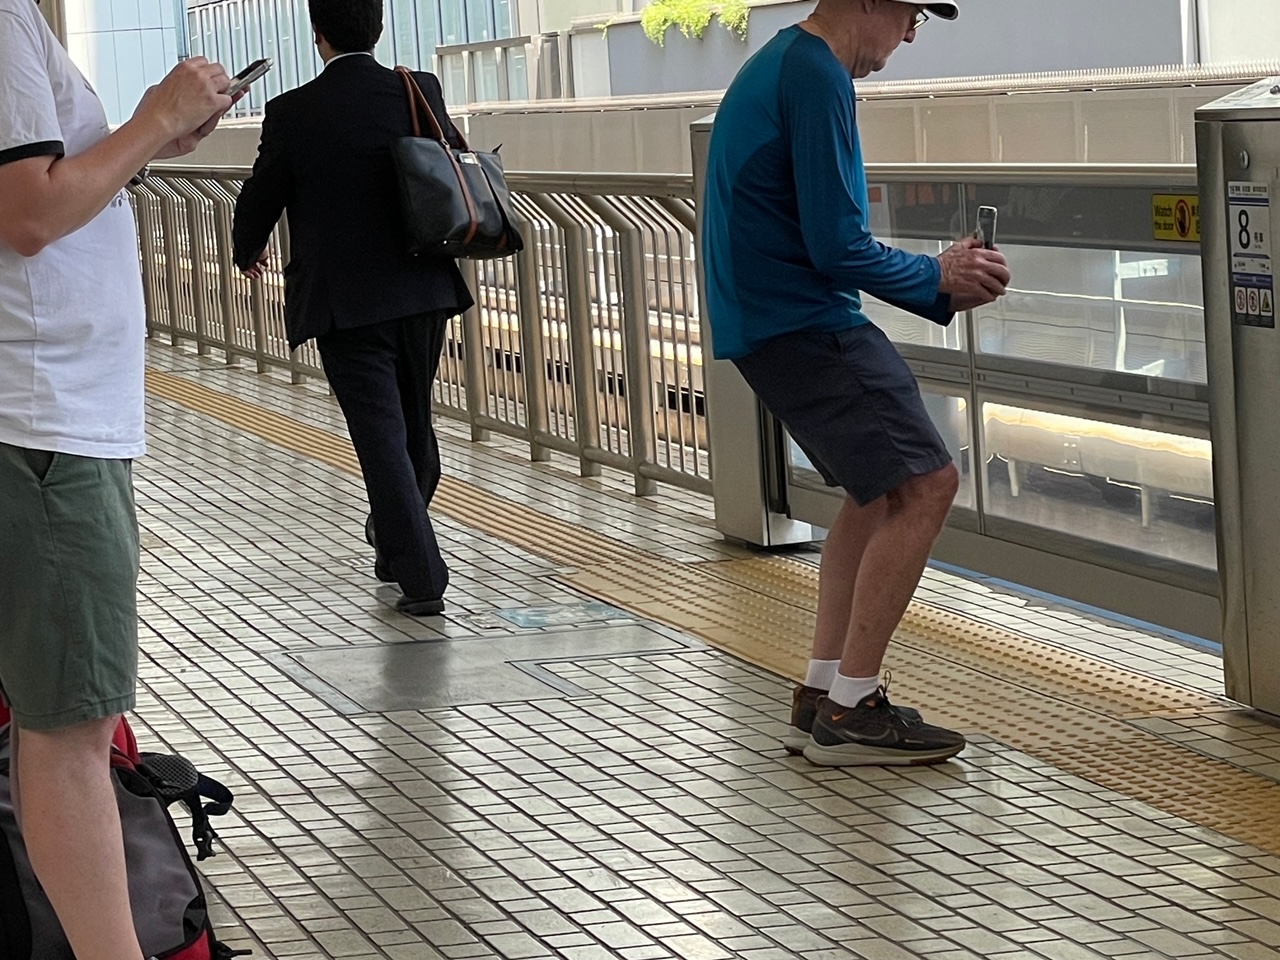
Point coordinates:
[(432, 674)]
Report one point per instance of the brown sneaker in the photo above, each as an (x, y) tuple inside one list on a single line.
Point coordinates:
[(876, 733), (804, 707)]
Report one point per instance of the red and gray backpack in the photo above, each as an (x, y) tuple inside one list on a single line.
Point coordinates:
[(169, 909)]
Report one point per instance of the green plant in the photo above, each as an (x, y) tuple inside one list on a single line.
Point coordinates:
[(733, 14), (692, 17)]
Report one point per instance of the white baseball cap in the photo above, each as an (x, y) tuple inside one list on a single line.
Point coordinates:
[(947, 11)]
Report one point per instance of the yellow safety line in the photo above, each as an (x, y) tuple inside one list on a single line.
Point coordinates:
[(1070, 710)]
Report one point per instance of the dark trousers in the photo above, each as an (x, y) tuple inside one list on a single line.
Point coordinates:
[(382, 375)]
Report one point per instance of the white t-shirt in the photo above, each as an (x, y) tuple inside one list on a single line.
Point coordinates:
[(72, 318)]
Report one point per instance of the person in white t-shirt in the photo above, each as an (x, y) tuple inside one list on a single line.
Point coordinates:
[(72, 330)]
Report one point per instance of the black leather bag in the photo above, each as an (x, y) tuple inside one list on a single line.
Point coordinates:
[(455, 202)]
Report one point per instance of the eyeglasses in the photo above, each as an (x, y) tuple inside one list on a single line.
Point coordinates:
[(921, 19)]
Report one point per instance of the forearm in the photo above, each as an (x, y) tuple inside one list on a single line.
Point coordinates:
[(45, 204), (939, 311), (885, 272)]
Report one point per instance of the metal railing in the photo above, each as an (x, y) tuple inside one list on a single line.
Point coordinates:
[(588, 343)]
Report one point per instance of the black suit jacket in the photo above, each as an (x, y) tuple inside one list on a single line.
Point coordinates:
[(325, 158)]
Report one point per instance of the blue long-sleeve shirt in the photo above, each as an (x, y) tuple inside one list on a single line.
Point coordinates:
[(786, 244)]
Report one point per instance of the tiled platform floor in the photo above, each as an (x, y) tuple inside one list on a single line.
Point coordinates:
[(652, 817)]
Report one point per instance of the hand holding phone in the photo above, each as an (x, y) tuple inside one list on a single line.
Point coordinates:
[(986, 232), (974, 273), (254, 71)]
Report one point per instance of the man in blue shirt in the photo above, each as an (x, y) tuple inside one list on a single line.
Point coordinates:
[(788, 252)]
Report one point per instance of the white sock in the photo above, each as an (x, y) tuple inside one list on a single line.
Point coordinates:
[(851, 691), (822, 673)]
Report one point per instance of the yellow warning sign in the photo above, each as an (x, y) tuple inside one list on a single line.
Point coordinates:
[(1175, 218)]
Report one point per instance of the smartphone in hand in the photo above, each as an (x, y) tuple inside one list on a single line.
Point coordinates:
[(254, 71), (986, 232)]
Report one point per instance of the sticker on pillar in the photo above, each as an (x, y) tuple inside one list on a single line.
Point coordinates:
[(1249, 224), (1175, 218)]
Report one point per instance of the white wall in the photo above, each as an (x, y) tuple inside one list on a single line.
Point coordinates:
[(1232, 30), (991, 37)]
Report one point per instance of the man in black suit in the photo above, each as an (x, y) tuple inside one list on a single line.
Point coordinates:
[(378, 314)]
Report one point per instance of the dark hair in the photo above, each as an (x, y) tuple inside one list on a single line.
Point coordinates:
[(350, 26)]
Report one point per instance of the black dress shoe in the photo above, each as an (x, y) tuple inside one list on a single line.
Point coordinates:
[(421, 606), (382, 570)]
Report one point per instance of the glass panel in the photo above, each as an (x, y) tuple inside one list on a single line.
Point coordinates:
[(291, 39), (485, 65), (223, 33), (1145, 490), (307, 56), (270, 84), (452, 23), (195, 30), (252, 13), (918, 218), (517, 74), (479, 20), (383, 49), (453, 78), (426, 33), (238, 48), (504, 19), (405, 27), (950, 414), (1104, 309)]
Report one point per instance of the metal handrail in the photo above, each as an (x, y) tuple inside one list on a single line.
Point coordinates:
[(1040, 174), (680, 185), (594, 184), (589, 343)]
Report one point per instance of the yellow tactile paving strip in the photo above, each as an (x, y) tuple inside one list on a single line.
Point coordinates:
[(1066, 709), (1046, 669)]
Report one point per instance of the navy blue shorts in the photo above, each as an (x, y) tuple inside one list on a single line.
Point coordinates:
[(852, 404)]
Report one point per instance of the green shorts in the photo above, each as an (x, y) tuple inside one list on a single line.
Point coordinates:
[(68, 581)]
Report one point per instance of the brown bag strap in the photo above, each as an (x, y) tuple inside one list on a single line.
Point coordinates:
[(418, 99), (418, 105)]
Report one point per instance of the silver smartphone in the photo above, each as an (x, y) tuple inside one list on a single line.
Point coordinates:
[(986, 232), (254, 71)]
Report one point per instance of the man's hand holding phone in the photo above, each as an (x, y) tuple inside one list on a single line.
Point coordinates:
[(973, 275)]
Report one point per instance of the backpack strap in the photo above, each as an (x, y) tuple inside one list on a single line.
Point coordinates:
[(176, 778), (202, 832)]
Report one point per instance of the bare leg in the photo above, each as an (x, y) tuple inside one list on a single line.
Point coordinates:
[(71, 826), (891, 566), (841, 556)]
